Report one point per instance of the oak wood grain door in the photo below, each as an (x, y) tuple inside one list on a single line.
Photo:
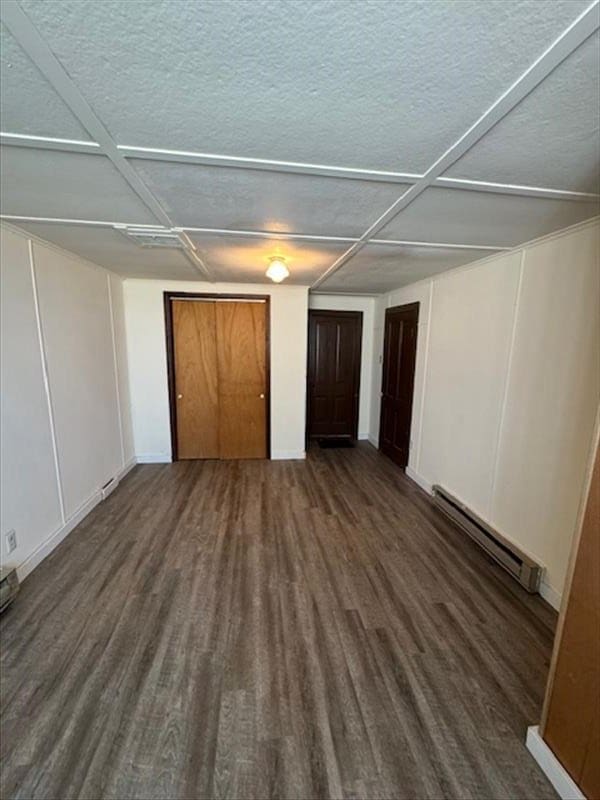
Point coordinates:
[(241, 357), (196, 382), (334, 340), (399, 356), (217, 356), (571, 724)]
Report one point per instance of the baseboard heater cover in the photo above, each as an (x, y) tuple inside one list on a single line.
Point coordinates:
[(109, 487), (520, 566)]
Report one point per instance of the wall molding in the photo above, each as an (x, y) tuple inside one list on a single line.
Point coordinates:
[(288, 455), (422, 482), (154, 458), (551, 595), (551, 766)]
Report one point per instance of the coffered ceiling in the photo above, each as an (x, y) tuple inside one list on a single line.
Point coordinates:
[(371, 144)]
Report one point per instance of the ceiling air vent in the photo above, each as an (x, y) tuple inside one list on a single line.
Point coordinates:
[(152, 237)]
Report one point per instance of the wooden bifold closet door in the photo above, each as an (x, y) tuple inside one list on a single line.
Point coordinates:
[(219, 378)]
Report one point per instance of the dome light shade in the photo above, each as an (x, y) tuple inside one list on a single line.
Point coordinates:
[(277, 270)]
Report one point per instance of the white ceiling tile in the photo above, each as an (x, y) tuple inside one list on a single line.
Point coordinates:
[(379, 83), (51, 183), (243, 199), (380, 268), (29, 103), (245, 260), (552, 137), (456, 216), (109, 248)]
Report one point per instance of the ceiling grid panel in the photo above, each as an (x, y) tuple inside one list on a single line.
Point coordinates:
[(584, 26), (289, 188), (29, 38)]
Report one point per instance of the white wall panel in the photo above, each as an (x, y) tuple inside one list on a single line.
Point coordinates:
[(367, 306), (553, 394), (120, 343), (469, 343), (146, 350), (508, 373), (76, 325), (30, 498), (61, 429)]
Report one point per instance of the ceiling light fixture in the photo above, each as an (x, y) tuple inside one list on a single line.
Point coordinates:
[(277, 269)]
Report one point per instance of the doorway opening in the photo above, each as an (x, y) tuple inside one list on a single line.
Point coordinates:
[(398, 380), (218, 365), (334, 356)]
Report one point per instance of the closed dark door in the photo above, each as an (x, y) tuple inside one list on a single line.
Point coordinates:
[(334, 339), (399, 355)]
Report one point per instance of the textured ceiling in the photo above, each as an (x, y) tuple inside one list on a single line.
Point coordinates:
[(112, 250), (244, 199), (25, 93), (238, 259), (381, 268), (375, 87), (455, 216), (48, 183), (551, 138), (370, 84)]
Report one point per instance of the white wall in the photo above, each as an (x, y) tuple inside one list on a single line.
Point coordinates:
[(334, 302), (62, 426), (507, 386), (146, 349)]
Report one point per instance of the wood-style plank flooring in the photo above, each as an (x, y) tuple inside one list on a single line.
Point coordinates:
[(271, 630)]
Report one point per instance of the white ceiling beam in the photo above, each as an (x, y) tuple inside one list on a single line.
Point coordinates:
[(93, 223), (48, 143), (236, 233), (294, 168), (439, 245), (241, 162), (519, 190), (44, 59), (572, 37)]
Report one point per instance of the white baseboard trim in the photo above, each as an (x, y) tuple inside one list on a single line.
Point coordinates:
[(55, 538), (551, 766), (128, 466), (419, 480), (550, 595), (363, 437), (373, 441), (288, 455), (153, 458), (48, 545)]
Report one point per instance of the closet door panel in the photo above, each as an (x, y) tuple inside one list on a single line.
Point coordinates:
[(196, 379), (241, 357)]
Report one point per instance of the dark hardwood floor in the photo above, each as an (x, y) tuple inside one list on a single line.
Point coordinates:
[(271, 629)]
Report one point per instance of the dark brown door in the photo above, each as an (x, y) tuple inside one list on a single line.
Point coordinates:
[(334, 339), (399, 355)]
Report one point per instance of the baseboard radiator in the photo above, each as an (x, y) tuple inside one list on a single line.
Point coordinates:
[(520, 566)]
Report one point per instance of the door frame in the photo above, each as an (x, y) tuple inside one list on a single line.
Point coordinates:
[(330, 312), (168, 297), (406, 307)]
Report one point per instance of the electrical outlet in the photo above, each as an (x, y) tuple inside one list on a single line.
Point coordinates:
[(11, 541)]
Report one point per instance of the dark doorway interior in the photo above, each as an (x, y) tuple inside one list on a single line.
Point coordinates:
[(334, 340), (399, 356)]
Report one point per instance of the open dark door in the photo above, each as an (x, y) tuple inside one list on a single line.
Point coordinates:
[(399, 356), (334, 339)]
